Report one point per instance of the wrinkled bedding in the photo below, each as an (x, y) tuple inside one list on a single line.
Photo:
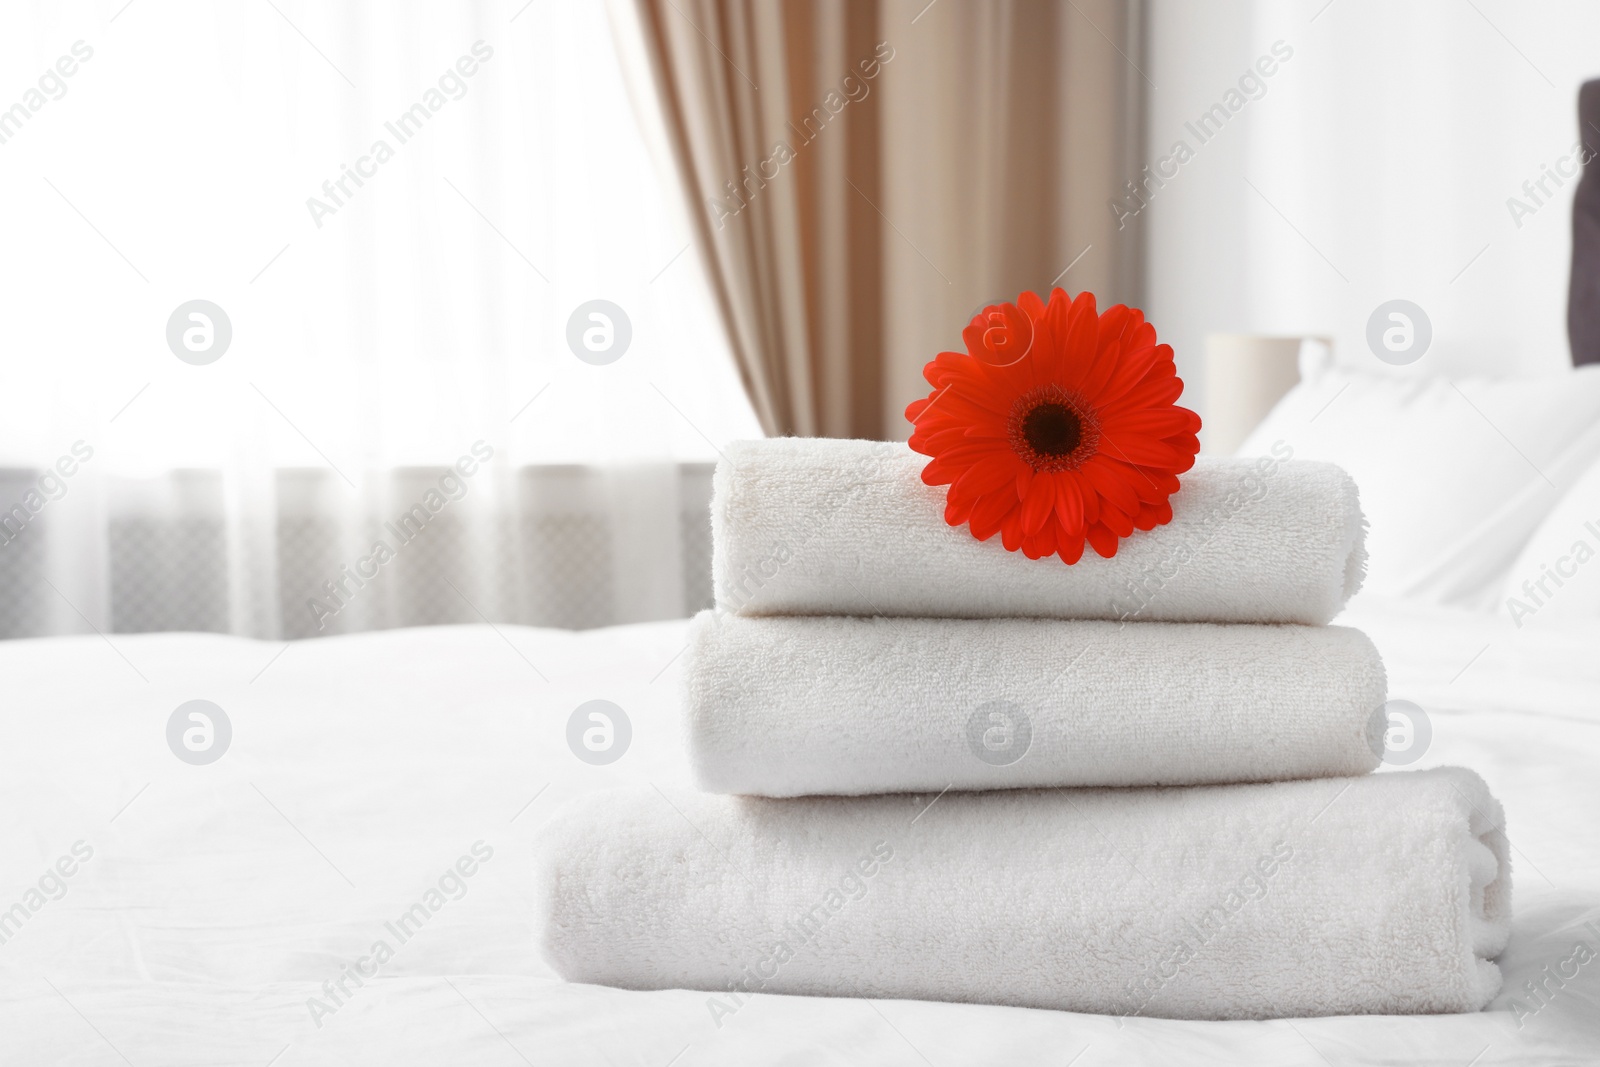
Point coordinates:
[(221, 905)]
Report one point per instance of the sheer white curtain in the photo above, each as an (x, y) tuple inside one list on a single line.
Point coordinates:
[(402, 211)]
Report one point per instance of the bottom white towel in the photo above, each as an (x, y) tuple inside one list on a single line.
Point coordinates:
[(1387, 893)]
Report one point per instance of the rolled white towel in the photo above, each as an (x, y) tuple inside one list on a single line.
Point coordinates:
[(826, 704), (1387, 893), (816, 526)]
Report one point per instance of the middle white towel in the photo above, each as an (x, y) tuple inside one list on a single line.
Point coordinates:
[(784, 707)]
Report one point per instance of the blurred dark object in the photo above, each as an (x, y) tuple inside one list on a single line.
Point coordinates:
[(1583, 297)]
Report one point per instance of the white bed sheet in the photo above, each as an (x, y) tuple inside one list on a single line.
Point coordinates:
[(219, 898)]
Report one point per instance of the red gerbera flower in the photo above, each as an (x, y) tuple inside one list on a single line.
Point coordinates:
[(1058, 425)]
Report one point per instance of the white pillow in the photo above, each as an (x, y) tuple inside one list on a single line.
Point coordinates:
[(1556, 576), (1454, 475)]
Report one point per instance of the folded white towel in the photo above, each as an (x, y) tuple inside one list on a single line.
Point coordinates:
[(1384, 893), (825, 704), (813, 526)]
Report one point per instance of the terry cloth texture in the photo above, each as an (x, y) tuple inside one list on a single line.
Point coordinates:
[(1384, 893), (790, 706), (817, 526)]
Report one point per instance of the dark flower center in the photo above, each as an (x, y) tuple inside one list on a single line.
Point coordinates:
[(1052, 429)]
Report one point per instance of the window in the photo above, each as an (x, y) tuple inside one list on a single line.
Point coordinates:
[(396, 215)]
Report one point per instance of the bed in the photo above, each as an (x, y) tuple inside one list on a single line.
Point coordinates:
[(221, 904)]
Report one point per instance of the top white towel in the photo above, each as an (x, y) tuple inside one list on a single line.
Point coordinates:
[(819, 526)]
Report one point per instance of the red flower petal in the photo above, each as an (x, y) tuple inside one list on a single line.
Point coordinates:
[(1011, 530), (1000, 335), (1024, 480), (1149, 422), (1103, 540), (1069, 503), (1152, 515), (1111, 482), (1040, 501), (1041, 544), (1083, 328), (1132, 448), (1071, 549), (1129, 372), (1057, 428), (1054, 321), (1117, 522), (989, 513), (984, 476), (1187, 446), (1152, 394)]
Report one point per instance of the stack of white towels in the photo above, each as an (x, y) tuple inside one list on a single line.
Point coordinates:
[(931, 768)]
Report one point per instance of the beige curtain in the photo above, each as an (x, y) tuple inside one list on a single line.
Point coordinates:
[(863, 175)]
